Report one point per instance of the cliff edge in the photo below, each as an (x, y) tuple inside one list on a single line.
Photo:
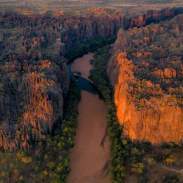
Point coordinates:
[(146, 71)]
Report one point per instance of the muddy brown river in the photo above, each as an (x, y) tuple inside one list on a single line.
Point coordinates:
[(91, 153)]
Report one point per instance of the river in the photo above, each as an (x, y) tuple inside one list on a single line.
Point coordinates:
[(91, 153)]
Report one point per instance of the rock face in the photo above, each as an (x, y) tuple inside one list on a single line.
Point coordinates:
[(151, 16), (33, 83), (101, 23), (31, 102), (146, 71), (70, 31)]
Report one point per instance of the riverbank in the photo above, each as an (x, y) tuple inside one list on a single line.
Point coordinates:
[(118, 149)]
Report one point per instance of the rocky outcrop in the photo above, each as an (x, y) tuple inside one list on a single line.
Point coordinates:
[(72, 31), (69, 30), (147, 87), (78, 30), (31, 102), (151, 16), (101, 23), (34, 80)]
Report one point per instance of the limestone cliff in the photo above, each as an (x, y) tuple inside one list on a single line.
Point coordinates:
[(148, 86)]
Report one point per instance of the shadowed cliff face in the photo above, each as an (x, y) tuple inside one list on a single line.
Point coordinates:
[(146, 72), (151, 16), (101, 23), (69, 32), (31, 102)]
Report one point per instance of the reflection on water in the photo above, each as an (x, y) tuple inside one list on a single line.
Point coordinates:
[(82, 83), (85, 84)]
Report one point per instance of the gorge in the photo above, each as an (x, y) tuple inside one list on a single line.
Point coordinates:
[(26, 40), (59, 74)]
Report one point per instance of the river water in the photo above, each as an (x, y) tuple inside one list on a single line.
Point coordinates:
[(91, 153)]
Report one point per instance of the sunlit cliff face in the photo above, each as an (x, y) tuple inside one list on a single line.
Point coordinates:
[(147, 91), (158, 121)]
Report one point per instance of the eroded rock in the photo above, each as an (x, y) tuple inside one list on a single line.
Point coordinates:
[(148, 88)]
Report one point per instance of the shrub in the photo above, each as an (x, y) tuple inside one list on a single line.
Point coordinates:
[(171, 178)]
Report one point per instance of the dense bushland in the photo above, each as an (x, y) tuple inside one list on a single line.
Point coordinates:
[(88, 46)]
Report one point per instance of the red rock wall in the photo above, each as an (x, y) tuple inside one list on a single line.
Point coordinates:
[(160, 119)]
